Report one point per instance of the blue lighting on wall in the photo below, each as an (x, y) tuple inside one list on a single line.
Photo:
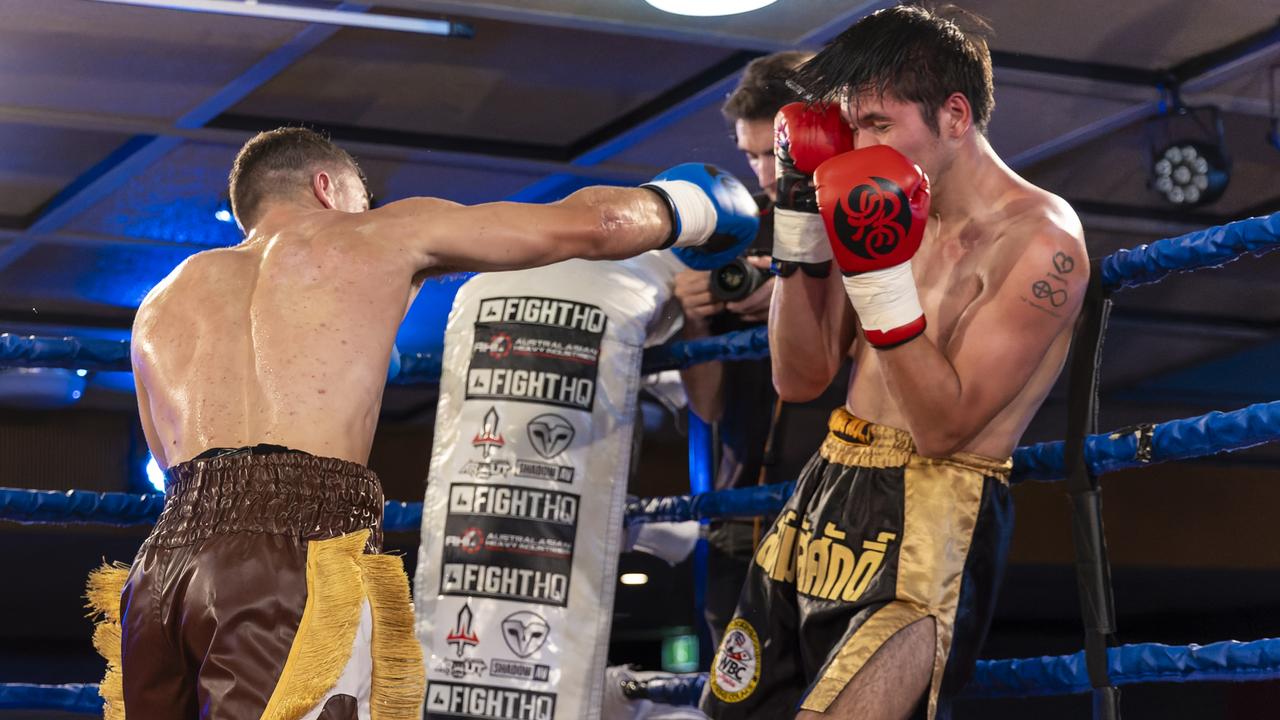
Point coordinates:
[(155, 475)]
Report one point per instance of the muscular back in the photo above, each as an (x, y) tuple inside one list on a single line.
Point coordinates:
[(284, 339)]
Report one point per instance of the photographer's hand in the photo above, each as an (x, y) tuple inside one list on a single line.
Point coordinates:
[(704, 383), (693, 290), (755, 307)]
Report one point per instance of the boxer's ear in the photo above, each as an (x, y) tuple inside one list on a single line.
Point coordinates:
[(325, 189), (955, 117)]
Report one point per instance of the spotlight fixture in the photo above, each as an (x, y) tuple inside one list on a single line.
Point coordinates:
[(1191, 173), (709, 8), (1191, 168), (633, 578)]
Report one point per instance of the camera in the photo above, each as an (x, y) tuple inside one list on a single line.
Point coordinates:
[(736, 280)]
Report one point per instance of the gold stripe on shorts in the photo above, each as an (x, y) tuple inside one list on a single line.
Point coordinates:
[(941, 500)]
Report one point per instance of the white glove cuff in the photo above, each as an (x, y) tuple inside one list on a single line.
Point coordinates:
[(695, 213), (884, 299), (799, 237)]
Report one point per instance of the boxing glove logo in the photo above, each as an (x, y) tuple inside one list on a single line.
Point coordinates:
[(874, 219)]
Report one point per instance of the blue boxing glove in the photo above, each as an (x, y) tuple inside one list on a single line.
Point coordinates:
[(713, 217)]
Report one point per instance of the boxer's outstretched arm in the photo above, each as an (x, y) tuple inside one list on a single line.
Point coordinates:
[(596, 223), (811, 328)]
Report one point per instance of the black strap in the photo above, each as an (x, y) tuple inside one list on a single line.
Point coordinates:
[(1093, 569)]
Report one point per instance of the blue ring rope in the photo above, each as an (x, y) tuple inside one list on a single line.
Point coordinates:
[(1211, 247), (1108, 452)]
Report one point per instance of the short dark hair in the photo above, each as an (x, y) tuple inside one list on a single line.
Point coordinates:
[(911, 53), (280, 162), (763, 89)]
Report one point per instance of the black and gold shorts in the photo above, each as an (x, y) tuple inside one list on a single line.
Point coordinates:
[(875, 538)]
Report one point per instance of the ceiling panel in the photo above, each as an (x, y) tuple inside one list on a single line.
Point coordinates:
[(783, 23), (1153, 34), (1054, 114), (703, 136), (527, 84), (38, 162), (86, 56), (1113, 169), (172, 200)]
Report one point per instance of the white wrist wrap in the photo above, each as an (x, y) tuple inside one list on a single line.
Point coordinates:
[(884, 299), (799, 237), (694, 211)]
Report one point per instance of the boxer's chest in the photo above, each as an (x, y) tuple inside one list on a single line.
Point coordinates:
[(950, 273)]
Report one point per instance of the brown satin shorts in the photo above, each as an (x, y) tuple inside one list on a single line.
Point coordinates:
[(260, 593)]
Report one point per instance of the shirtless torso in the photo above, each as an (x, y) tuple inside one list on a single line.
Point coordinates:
[(285, 339), (962, 267)]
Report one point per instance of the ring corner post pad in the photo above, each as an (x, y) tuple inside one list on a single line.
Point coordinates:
[(1093, 569)]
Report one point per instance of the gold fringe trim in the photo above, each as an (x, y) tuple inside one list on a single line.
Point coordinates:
[(103, 590), (399, 676), (322, 644)]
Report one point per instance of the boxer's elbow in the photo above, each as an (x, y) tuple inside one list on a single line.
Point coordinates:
[(794, 387)]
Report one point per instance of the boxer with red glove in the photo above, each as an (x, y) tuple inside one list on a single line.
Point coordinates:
[(874, 204), (804, 137)]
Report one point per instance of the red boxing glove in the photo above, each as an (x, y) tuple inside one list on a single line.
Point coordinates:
[(804, 137), (874, 204)]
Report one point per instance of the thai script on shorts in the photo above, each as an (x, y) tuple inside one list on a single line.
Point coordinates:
[(822, 565)]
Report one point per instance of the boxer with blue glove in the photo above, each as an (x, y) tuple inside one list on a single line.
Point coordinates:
[(261, 591)]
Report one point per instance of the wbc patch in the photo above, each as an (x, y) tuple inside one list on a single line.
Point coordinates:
[(735, 670)]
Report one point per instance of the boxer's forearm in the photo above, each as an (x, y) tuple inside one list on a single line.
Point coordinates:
[(810, 332), (622, 221), (929, 393)]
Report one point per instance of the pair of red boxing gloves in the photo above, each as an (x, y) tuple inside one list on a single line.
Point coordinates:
[(865, 208)]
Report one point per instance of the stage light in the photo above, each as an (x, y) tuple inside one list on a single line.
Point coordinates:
[(1190, 173), (155, 475), (223, 215), (709, 8), (1190, 166), (633, 578)]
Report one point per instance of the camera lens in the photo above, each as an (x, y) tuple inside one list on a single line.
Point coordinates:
[(736, 280)]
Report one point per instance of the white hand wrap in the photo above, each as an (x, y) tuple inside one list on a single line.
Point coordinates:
[(799, 237), (885, 300), (695, 213)]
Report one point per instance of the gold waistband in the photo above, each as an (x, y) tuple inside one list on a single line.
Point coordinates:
[(853, 441)]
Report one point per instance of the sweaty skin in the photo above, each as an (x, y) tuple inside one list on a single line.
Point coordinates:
[(285, 338), (1001, 275)]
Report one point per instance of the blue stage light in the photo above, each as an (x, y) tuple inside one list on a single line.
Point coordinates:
[(154, 474)]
